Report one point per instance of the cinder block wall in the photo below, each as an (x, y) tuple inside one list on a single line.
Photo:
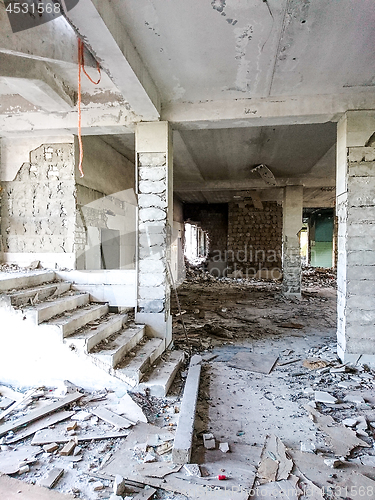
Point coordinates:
[(254, 237)]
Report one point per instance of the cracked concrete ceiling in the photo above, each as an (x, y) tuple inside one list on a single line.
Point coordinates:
[(242, 82)]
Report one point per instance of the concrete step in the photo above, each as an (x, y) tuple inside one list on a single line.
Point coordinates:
[(132, 368), (159, 379), (74, 320), (13, 281), (38, 293), (89, 337), (111, 351), (47, 310)]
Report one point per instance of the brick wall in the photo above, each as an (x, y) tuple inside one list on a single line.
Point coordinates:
[(254, 237)]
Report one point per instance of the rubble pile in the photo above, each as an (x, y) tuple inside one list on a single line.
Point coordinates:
[(62, 438), (318, 277)]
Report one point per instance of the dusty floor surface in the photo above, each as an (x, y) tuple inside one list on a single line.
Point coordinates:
[(265, 358)]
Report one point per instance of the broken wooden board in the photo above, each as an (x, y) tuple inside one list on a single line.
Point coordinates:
[(294, 326), (253, 362), (342, 439), (37, 414), (55, 436), (112, 418), (14, 489), (275, 465), (41, 424), (10, 460), (124, 464)]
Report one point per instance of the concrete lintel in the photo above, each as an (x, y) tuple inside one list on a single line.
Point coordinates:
[(255, 183), (103, 33), (100, 120), (285, 110)]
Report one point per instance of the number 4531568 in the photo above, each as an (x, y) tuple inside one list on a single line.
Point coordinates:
[(33, 8)]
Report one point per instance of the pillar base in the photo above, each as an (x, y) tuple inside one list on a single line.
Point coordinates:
[(157, 326), (355, 359)]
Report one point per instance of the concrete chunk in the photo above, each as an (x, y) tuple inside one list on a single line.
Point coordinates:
[(181, 452)]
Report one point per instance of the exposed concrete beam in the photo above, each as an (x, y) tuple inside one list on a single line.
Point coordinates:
[(264, 112), (246, 184), (103, 33), (36, 83), (100, 120)]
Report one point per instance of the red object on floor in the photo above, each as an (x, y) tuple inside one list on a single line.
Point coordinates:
[(221, 478)]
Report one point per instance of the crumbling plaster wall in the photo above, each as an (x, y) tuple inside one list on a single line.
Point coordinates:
[(38, 206), (254, 237)]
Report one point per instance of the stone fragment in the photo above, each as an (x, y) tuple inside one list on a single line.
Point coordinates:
[(349, 422), (332, 462), (97, 486), (50, 448), (81, 416), (193, 470), (119, 485), (308, 446), (224, 447), (324, 397), (209, 441)]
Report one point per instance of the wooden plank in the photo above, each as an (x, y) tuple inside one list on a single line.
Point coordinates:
[(37, 414), (112, 418), (41, 424), (55, 436)]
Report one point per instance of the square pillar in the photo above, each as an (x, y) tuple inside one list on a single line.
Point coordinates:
[(292, 225), (355, 207), (155, 222)]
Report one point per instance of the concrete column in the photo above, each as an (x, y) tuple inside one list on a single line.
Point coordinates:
[(292, 225), (355, 206), (155, 222)]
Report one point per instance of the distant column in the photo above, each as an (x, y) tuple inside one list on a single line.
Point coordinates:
[(292, 225)]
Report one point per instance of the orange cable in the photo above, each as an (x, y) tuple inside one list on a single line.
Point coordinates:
[(80, 50), (81, 67)]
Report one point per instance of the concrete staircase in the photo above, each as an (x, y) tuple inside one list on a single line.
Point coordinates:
[(109, 340)]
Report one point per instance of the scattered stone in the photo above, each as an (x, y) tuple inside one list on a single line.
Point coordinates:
[(24, 469), (308, 391), (308, 446), (350, 422), (97, 486), (332, 462), (119, 485), (193, 470), (324, 397), (81, 416), (72, 426), (50, 448), (224, 447), (149, 458), (209, 441), (68, 448), (354, 398)]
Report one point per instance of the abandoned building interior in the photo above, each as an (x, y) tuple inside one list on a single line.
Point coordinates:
[(187, 256)]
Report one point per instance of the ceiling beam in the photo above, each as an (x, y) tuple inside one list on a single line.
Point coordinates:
[(98, 25), (36, 82), (270, 111), (100, 120)]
